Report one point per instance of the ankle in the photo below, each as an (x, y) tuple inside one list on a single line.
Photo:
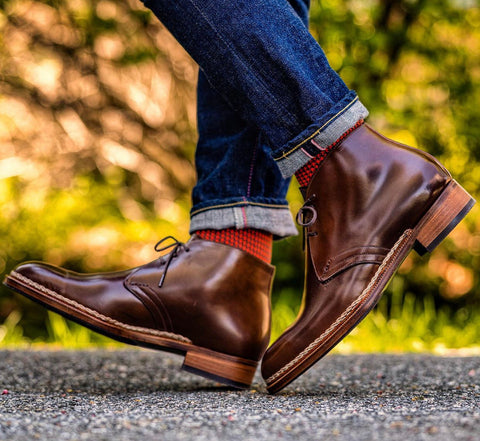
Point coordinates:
[(255, 242)]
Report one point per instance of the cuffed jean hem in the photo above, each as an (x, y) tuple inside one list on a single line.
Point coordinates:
[(277, 221), (321, 138)]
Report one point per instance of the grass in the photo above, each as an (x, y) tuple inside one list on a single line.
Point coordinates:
[(398, 324), (62, 334)]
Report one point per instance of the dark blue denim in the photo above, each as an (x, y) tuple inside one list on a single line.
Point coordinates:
[(233, 160), (265, 88)]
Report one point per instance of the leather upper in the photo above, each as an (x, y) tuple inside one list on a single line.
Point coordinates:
[(214, 295), (366, 195), (361, 200)]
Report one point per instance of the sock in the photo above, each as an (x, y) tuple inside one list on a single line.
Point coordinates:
[(256, 242), (305, 174)]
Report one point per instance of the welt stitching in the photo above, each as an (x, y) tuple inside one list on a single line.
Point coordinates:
[(347, 312), (98, 315)]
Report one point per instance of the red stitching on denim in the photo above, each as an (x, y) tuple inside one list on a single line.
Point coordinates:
[(244, 214), (250, 175)]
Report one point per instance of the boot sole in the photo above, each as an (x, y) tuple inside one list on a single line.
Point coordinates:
[(223, 368), (448, 210)]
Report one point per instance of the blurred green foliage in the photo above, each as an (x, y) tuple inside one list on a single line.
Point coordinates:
[(97, 134)]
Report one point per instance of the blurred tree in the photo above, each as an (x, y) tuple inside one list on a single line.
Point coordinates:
[(97, 131), (416, 65)]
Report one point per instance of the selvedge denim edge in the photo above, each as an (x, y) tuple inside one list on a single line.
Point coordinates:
[(273, 219), (311, 141), (279, 83)]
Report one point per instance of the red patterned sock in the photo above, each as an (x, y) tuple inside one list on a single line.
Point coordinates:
[(256, 242), (305, 174)]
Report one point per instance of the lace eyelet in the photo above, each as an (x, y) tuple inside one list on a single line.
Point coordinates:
[(301, 215)]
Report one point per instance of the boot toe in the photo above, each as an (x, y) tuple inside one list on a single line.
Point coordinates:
[(46, 275), (269, 366)]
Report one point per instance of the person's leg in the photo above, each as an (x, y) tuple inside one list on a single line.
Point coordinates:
[(369, 201), (239, 197), (263, 61), (204, 299)]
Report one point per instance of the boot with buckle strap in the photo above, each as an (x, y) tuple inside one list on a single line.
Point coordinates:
[(206, 300), (369, 203)]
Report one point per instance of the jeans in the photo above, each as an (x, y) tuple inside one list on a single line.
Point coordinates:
[(268, 101)]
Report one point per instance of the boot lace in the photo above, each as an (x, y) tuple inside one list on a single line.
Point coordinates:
[(176, 245)]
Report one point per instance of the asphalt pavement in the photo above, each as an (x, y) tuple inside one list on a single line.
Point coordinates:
[(143, 395)]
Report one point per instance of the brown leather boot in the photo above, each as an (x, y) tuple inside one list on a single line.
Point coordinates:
[(206, 300), (370, 202)]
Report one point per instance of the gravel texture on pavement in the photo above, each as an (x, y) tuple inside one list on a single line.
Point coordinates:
[(143, 395)]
